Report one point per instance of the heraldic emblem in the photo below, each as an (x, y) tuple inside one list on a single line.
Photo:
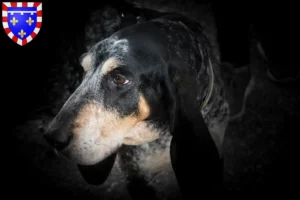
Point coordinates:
[(22, 21)]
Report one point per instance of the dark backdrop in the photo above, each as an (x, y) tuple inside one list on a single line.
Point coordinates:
[(25, 86)]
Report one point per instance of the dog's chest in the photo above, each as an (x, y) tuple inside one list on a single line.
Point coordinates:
[(152, 163)]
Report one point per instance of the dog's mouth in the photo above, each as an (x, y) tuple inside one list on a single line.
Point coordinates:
[(94, 174), (97, 174)]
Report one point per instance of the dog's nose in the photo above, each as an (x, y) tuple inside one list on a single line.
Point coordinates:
[(58, 139)]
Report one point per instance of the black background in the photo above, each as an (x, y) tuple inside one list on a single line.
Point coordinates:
[(25, 84)]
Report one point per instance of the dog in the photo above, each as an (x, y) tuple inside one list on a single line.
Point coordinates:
[(143, 86)]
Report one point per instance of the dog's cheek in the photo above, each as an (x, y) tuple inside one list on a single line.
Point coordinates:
[(141, 133), (97, 133)]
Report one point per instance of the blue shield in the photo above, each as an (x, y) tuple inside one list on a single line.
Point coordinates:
[(22, 20)]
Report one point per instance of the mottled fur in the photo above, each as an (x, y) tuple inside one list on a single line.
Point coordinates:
[(148, 164)]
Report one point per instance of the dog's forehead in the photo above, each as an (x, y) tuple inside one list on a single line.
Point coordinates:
[(146, 39), (145, 36), (138, 45), (112, 46)]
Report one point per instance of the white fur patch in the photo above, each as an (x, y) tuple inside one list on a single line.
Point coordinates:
[(86, 63)]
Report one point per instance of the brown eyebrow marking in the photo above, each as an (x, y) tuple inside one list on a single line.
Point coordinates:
[(109, 65)]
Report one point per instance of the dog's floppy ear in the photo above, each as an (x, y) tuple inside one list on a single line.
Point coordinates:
[(98, 173), (194, 155)]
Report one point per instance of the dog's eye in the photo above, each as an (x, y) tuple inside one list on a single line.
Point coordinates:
[(119, 79)]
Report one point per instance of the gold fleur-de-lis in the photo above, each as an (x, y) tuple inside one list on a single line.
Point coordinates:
[(14, 21), (22, 33), (29, 21)]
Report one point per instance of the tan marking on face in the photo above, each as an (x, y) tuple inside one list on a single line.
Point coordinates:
[(144, 109), (109, 65), (86, 63), (98, 132), (101, 120), (140, 134)]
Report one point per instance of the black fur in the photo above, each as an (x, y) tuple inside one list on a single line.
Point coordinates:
[(167, 61)]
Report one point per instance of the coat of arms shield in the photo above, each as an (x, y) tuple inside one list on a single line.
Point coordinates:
[(22, 21)]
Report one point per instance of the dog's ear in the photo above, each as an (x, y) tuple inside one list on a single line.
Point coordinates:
[(194, 154), (98, 173)]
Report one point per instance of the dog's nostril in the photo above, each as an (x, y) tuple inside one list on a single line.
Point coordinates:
[(59, 140)]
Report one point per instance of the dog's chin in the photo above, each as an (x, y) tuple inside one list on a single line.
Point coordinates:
[(97, 173), (84, 160), (88, 156)]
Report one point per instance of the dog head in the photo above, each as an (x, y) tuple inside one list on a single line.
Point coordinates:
[(131, 78)]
